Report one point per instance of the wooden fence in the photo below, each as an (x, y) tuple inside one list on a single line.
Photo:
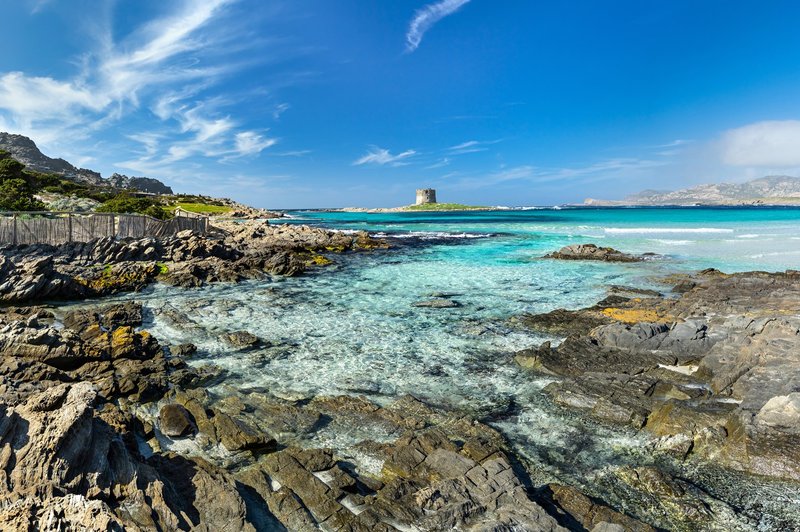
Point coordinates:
[(62, 227)]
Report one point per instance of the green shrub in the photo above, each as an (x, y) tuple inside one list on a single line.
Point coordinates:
[(17, 188), (11, 168), (125, 203), (16, 195)]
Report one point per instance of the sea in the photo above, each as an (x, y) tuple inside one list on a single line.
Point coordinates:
[(352, 327)]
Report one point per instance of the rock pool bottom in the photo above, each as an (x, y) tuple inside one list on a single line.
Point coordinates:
[(353, 329)]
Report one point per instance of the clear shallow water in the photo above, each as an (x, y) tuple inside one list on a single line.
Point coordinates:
[(352, 328)]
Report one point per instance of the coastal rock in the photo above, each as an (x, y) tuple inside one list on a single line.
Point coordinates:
[(241, 340), (713, 378), (782, 413), (176, 421), (71, 462), (440, 488), (592, 252), (92, 346), (591, 514), (183, 350), (106, 266), (562, 321)]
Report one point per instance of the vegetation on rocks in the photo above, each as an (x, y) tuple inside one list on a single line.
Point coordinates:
[(204, 208), (17, 187), (444, 207), (125, 203)]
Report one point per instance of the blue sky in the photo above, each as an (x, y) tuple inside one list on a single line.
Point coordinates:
[(314, 103)]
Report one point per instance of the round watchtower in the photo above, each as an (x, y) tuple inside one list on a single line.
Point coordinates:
[(425, 196)]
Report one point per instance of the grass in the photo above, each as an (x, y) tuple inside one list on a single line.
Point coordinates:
[(443, 207), (202, 208)]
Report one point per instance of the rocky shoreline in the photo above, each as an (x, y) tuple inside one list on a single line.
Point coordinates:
[(105, 428), (231, 253)]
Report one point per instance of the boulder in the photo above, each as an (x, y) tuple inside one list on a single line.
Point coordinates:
[(241, 340), (593, 252), (782, 413), (175, 421)]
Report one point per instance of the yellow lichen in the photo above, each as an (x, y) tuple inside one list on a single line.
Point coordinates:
[(634, 315), (320, 260), (109, 281)]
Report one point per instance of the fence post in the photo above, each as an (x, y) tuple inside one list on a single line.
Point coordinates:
[(69, 226), (14, 238)]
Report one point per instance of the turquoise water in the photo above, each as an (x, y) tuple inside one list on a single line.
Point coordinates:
[(352, 327), (732, 239)]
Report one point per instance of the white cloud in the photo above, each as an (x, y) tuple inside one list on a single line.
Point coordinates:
[(164, 65), (471, 146), (381, 157), (675, 143), (463, 145), (293, 153), (770, 144), (41, 97), (250, 143), (205, 128), (425, 18), (279, 110), (440, 164)]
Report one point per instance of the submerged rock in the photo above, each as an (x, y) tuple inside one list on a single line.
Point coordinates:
[(438, 303)]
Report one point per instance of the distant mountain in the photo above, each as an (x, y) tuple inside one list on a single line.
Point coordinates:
[(25, 151), (770, 190), (143, 184)]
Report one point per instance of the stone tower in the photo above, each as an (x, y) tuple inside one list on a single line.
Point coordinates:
[(425, 196)]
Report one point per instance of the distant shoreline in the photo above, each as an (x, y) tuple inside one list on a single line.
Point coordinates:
[(389, 210), (433, 207), (789, 202)]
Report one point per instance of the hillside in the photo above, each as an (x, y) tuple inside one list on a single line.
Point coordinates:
[(24, 150), (770, 190)]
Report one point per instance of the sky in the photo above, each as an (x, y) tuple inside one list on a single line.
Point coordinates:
[(319, 103)]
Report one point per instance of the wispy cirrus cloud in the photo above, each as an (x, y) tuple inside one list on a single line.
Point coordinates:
[(380, 156), (38, 5), (163, 66), (426, 17), (279, 110), (441, 163), (471, 146), (601, 170)]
